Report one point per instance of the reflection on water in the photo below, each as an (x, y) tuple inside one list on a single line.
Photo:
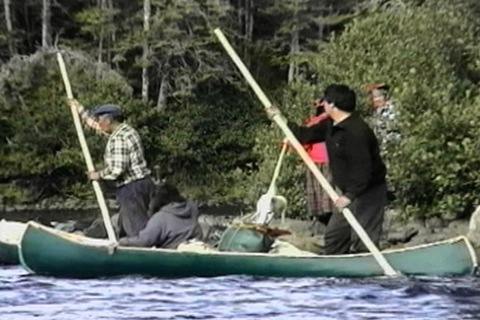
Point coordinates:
[(27, 297)]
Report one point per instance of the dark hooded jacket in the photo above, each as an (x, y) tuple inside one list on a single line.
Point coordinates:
[(173, 224)]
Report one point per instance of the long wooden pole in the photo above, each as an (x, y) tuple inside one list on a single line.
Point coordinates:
[(86, 152), (387, 268)]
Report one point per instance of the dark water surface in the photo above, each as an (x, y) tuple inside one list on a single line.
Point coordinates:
[(25, 297)]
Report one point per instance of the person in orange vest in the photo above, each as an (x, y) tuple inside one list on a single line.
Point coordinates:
[(319, 204)]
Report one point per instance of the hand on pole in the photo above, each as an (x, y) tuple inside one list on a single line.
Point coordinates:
[(342, 202), (73, 103), (112, 247), (274, 111), (93, 175)]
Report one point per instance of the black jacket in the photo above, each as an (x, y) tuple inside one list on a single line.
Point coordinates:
[(353, 153)]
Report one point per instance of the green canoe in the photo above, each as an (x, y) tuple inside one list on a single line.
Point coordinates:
[(10, 234), (8, 254), (56, 253)]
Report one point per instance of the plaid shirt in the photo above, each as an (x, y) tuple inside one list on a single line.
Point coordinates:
[(124, 157)]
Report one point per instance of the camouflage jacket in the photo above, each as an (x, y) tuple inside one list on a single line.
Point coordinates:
[(384, 124)]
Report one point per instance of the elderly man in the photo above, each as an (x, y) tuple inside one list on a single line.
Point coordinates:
[(124, 163)]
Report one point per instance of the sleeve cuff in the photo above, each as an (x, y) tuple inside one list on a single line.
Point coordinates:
[(350, 196)]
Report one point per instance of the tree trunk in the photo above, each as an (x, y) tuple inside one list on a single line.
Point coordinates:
[(248, 31), (162, 93), (103, 6), (240, 22), (294, 49), (111, 35), (8, 21), (146, 30), (240, 14), (46, 16)]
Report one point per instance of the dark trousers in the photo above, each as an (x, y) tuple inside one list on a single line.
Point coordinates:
[(369, 210), (133, 200)]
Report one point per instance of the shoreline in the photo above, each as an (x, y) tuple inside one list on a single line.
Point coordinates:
[(75, 208)]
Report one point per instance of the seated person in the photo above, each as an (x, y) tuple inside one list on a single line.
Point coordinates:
[(174, 220)]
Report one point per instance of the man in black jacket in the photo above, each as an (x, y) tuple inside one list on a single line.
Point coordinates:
[(357, 169)]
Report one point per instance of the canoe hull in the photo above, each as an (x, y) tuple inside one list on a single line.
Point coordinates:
[(8, 254), (50, 252), (10, 234)]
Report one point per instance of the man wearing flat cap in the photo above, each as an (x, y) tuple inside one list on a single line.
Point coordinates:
[(358, 172), (124, 163)]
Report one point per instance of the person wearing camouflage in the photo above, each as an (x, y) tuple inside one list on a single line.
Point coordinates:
[(385, 115)]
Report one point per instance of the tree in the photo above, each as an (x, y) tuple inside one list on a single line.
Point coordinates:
[(46, 13), (8, 22), (146, 30), (296, 19), (181, 46), (96, 29)]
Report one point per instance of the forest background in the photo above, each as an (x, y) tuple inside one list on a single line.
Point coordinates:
[(202, 126)]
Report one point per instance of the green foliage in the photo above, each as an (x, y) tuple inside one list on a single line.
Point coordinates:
[(11, 193), (205, 143), (429, 55)]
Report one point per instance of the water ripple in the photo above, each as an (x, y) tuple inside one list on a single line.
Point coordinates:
[(28, 297)]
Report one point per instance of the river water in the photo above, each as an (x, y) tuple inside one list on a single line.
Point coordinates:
[(25, 297)]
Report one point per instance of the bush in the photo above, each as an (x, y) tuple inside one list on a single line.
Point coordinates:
[(205, 144)]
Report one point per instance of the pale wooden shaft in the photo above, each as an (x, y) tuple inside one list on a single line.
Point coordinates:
[(86, 152)]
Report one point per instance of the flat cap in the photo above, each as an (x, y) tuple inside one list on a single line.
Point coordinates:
[(112, 109)]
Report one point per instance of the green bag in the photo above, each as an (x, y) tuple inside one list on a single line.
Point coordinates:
[(243, 239)]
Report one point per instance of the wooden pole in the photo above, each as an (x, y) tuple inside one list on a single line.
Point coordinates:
[(86, 152), (387, 268)]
